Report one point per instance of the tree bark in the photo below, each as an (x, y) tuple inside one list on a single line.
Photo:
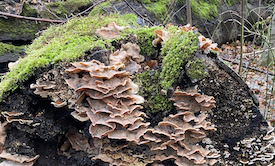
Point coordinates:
[(189, 17)]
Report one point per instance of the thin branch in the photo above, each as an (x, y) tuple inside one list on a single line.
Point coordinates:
[(247, 30), (138, 13), (116, 9), (242, 40), (178, 10), (172, 11), (30, 18), (207, 29), (168, 11)]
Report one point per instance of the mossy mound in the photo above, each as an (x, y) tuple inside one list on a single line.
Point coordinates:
[(68, 41), (177, 51), (72, 40), (65, 9)]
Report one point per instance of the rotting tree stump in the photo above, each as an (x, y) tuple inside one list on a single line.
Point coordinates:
[(90, 113)]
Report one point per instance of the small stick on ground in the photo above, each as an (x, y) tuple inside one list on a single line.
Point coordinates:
[(168, 11), (31, 18)]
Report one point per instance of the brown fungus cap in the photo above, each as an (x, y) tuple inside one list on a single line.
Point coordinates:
[(17, 157), (132, 51), (110, 31), (160, 35), (206, 44), (193, 102)]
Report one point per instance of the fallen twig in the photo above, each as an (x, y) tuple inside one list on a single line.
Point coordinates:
[(249, 67), (178, 10), (168, 11), (138, 13), (30, 18)]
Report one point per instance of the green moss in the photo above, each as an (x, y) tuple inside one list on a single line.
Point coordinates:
[(130, 17), (177, 50), (145, 37), (9, 48), (150, 89), (18, 29), (196, 69), (67, 41), (23, 28), (173, 29), (206, 9), (157, 7), (67, 7), (28, 11)]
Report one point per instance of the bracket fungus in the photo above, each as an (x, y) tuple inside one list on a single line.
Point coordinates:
[(16, 117), (111, 96), (161, 35), (177, 136), (129, 56)]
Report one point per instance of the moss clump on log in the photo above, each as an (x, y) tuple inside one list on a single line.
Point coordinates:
[(68, 41), (177, 50), (150, 89)]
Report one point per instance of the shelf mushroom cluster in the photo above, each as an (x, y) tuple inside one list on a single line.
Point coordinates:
[(13, 159), (183, 131), (110, 94), (176, 137)]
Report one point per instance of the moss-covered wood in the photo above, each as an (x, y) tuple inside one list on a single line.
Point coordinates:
[(68, 41)]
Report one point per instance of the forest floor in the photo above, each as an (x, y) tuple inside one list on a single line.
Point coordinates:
[(259, 79)]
